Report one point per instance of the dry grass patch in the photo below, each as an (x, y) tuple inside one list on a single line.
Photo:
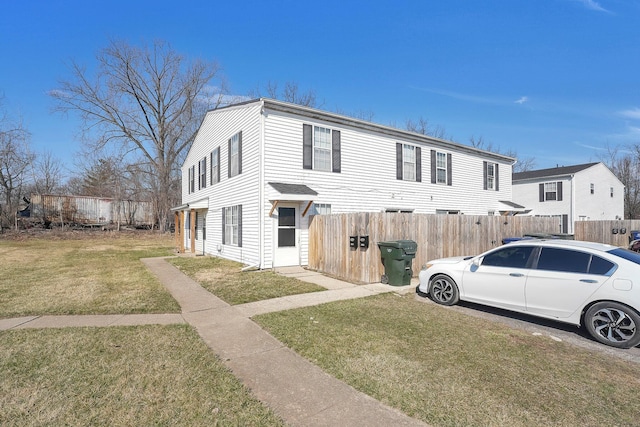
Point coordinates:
[(128, 376), (97, 275), (225, 279), (449, 369)]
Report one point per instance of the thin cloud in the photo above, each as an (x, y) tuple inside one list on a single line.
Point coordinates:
[(633, 113), (592, 5), (462, 96), (522, 100)]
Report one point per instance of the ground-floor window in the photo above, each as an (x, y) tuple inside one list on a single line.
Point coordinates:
[(232, 225)]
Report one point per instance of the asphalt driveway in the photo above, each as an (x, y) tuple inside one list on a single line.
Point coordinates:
[(545, 328)]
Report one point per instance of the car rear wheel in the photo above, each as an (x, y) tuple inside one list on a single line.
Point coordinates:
[(613, 324), (444, 290)]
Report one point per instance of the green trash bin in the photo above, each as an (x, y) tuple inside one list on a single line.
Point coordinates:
[(397, 256)]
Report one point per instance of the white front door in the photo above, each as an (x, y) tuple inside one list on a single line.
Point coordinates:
[(286, 236)]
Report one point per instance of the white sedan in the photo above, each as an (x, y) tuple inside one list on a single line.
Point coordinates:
[(588, 284)]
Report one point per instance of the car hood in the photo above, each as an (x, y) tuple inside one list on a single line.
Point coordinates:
[(451, 260)]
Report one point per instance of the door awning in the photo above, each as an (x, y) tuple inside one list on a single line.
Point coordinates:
[(291, 193), (198, 204)]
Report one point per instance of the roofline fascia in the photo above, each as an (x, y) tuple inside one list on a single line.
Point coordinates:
[(287, 107)]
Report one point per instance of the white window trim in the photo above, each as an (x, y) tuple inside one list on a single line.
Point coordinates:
[(547, 191), (327, 149), (439, 167), (409, 163), (234, 154), (231, 225)]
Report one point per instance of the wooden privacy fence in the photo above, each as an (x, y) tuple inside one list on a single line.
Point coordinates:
[(437, 236), (614, 233)]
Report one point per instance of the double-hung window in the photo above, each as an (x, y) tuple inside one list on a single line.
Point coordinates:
[(441, 171), (235, 155), (215, 166), (202, 171), (408, 162), (551, 191), (441, 168), (490, 174), (192, 179), (232, 225), (321, 148)]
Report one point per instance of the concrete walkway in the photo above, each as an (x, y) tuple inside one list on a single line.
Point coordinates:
[(297, 390)]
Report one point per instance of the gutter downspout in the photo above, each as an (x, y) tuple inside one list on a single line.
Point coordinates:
[(261, 209)]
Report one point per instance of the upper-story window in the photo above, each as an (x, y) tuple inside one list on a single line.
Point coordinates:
[(235, 155), (490, 176), (192, 179), (202, 173), (321, 148), (441, 172), (215, 166), (550, 191), (408, 162)]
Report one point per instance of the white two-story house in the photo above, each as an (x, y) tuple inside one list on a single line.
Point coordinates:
[(259, 171), (571, 193)]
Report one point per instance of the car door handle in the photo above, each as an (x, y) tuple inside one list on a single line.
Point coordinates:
[(516, 274), (588, 281)]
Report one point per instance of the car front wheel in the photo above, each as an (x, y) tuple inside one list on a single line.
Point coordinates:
[(613, 324), (444, 290)]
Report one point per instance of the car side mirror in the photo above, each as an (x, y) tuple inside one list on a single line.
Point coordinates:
[(475, 264)]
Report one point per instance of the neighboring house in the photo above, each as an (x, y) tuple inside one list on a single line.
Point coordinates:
[(258, 171), (571, 193)]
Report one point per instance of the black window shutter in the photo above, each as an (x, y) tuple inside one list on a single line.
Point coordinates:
[(418, 164), (559, 190), (218, 160), (433, 166), (565, 223), (496, 178), (224, 225), (541, 192), (199, 172), (484, 175), (449, 171), (398, 161), (240, 153), (189, 181), (229, 158), (211, 168), (204, 167), (335, 151), (307, 147), (239, 226)]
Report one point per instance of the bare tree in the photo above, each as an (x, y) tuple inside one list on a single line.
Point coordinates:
[(624, 162), (148, 101), (523, 164), (423, 127), (291, 93), (47, 173), (15, 160)]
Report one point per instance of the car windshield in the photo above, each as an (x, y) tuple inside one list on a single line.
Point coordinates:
[(626, 254)]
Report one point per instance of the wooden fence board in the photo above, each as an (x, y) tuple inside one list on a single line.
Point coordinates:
[(437, 236)]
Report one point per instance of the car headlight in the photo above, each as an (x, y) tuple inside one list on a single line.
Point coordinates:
[(426, 266)]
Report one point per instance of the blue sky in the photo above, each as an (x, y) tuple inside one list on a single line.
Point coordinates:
[(556, 80)]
